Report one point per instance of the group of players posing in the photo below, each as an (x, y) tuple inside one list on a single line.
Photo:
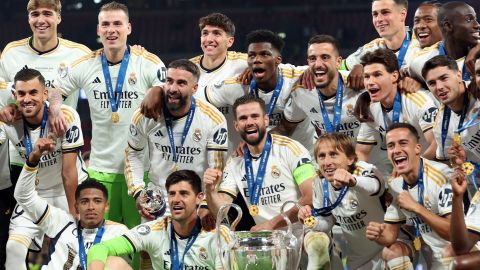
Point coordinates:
[(196, 111)]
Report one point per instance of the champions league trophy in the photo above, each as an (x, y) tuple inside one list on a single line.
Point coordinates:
[(152, 200), (262, 250)]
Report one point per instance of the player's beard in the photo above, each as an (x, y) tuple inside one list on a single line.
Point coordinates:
[(173, 107), (330, 76), (254, 142)]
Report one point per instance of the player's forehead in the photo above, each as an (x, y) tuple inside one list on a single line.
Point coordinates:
[(438, 72), (91, 193), (112, 16), (260, 47), (179, 74), (42, 9), (399, 134), (182, 186), (380, 5), (214, 28), (249, 109), (30, 85), (326, 146), (320, 48), (373, 68), (426, 11)]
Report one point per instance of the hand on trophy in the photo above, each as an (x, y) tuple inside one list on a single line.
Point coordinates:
[(151, 202)]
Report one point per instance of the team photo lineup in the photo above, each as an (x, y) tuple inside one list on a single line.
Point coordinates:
[(236, 160)]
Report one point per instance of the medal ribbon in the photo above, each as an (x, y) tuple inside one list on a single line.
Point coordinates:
[(446, 120), (441, 51), (416, 219), (473, 176), (470, 123), (403, 50), (27, 141), (255, 188), (114, 96), (397, 109), (81, 245), (169, 126), (337, 111), (275, 94), (177, 264), (327, 204)]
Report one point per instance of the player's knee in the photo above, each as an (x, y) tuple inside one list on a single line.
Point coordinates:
[(396, 250), (117, 263)]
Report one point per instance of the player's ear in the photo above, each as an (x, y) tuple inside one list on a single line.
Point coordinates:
[(129, 27), (338, 62), (395, 76), (278, 59), (230, 42), (200, 198)]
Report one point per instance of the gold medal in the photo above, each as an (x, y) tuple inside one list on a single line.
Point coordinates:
[(468, 168), (115, 117), (253, 210), (457, 139), (310, 222), (417, 243)]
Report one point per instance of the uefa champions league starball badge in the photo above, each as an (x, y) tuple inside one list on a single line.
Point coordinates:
[(310, 222), (153, 201)]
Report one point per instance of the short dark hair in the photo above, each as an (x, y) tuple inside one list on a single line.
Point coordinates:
[(115, 6), (446, 10), (403, 3), (91, 183), (408, 126), (186, 65), (433, 3), (439, 61), (219, 20), (27, 74), (263, 35), (185, 175), (245, 100), (317, 39), (385, 57)]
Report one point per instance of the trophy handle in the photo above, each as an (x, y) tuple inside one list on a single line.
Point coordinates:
[(286, 218), (222, 213)]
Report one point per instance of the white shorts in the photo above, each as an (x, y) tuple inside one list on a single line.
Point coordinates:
[(23, 227)]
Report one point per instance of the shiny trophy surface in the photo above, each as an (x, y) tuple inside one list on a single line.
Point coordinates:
[(262, 250), (153, 201)]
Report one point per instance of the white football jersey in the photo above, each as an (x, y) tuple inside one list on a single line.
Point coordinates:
[(418, 109), (470, 136), (361, 205), (49, 176), (154, 238), (5, 96), (234, 64), (279, 184), (52, 64), (437, 198), (205, 146), (59, 225), (109, 139), (379, 43), (472, 219), (226, 92)]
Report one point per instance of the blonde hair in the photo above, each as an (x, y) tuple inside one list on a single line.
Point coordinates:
[(341, 142), (51, 4)]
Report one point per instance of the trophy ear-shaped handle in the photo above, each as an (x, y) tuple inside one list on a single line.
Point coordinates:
[(222, 213), (286, 218)]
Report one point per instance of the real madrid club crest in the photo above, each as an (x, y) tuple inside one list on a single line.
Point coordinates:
[(62, 70), (350, 110), (353, 203), (197, 135), (203, 254), (275, 172), (132, 79)]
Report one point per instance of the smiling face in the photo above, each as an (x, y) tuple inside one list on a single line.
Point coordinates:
[(263, 60), (215, 41), (329, 159), (465, 27), (403, 150), (183, 201), (324, 60), (445, 84), (91, 206), (388, 18), (113, 28), (251, 123), (379, 82), (180, 87), (425, 26), (31, 96), (43, 23)]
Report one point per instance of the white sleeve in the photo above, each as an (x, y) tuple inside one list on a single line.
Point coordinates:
[(371, 182), (134, 153), (157, 73), (217, 145), (293, 111), (225, 92), (228, 184), (366, 134), (445, 200), (394, 214), (73, 138), (354, 58), (71, 82), (426, 115)]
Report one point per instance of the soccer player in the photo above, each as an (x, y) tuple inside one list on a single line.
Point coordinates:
[(71, 235), (354, 191), (176, 242), (274, 169), (460, 32), (421, 194), (425, 24), (59, 171), (389, 105), (191, 134), (115, 80)]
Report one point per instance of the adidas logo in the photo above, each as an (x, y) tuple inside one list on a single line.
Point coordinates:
[(158, 133), (97, 80), (313, 110), (25, 67)]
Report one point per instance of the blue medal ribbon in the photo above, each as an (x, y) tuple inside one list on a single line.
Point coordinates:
[(469, 123), (337, 111), (178, 264), (441, 51), (27, 141), (81, 244), (255, 188), (115, 95), (397, 109), (275, 94), (446, 120), (416, 219), (328, 206), (169, 126), (473, 176), (403, 50)]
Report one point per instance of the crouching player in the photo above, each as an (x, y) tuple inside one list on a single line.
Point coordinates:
[(349, 193)]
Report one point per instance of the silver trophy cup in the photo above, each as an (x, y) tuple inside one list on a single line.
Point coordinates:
[(153, 201), (262, 250)]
